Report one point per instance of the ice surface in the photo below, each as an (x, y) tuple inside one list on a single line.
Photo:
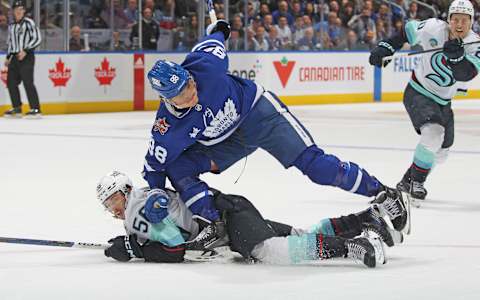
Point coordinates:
[(50, 167)]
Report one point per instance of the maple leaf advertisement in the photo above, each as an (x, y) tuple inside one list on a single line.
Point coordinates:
[(59, 75), (284, 69), (105, 74)]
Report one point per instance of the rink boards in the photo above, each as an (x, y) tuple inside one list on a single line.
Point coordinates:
[(103, 82)]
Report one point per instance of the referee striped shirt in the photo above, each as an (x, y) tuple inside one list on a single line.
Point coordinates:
[(23, 35)]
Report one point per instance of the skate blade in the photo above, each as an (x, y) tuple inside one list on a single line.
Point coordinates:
[(408, 205), (35, 117), (208, 255), (379, 247), (16, 116)]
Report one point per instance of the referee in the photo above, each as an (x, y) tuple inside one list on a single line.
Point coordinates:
[(23, 38)]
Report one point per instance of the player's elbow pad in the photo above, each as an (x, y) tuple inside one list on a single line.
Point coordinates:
[(463, 70), (159, 253)]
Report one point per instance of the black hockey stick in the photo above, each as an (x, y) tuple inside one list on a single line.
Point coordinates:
[(53, 243), (391, 57)]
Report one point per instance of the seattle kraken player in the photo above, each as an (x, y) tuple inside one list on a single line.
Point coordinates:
[(437, 78), (209, 119), (166, 239)]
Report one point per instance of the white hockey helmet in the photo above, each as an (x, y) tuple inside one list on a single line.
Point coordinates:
[(111, 183), (461, 7)]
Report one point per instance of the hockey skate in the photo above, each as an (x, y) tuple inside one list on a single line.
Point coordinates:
[(389, 202), (414, 190), (212, 235), (368, 250), (389, 236), (15, 112)]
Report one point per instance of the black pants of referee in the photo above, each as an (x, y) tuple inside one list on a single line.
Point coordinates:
[(22, 71)]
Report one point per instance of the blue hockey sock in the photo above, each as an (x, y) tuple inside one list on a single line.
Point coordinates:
[(327, 169)]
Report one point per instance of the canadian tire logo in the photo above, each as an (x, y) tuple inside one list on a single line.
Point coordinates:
[(59, 75), (284, 69), (4, 75), (105, 73)]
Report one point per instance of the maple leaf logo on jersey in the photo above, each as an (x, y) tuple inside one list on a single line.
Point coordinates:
[(60, 75), (222, 121), (161, 126), (3, 76), (284, 69), (105, 73)]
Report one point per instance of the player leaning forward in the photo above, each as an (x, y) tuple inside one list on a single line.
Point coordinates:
[(358, 236), (209, 119), (436, 79)]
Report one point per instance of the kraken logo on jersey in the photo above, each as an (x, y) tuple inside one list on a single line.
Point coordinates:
[(443, 75), (222, 121)]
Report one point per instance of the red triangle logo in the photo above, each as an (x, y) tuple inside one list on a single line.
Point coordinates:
[(284, 69)]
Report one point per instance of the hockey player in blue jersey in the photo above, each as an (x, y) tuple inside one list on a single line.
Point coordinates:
[(209, 119)]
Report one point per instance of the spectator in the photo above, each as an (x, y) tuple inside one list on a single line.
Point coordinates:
[(235, 43), (381, 31), (307, 42), (191, 32), (131, 12), (76, 42), (260, 42), (184, 8), (385, 16), (282, 11), (307, 21), (334, 28), (352, 43), (274, 42), (370, 39), (268, 22), (94, 20), (399, 10), (296, 9), (309, 10), (256, 22), (346, 14), (156, 13), (264, 10), (412, 13), (250, 40), (120, 20), (117, 43), (334, 7), (297, 29), (3, 32), (362, 23), (150, 31), (237, 24), (284, 33)]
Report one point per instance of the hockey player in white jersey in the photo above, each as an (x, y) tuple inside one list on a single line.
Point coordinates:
[(175, 230), (438, 77)]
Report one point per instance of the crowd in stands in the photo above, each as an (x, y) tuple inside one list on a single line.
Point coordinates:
[(264, 25)]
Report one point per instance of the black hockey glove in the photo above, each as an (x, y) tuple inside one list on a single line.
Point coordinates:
[(382, 50), (220, 25), (212, 234), (124, 248), (454, 50)]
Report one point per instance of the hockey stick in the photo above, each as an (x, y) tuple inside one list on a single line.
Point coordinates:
[(211, 11), (391, 57), (53, 243)]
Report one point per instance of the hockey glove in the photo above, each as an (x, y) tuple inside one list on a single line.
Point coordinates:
[(454, 50), (212, 234), (124, 248), (382, 50), (220, 25), (156, 207)]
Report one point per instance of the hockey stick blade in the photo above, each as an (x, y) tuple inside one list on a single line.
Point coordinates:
[(407, 201), (51, 243)]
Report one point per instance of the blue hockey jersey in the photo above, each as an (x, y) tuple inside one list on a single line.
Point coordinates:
[(224, 101)]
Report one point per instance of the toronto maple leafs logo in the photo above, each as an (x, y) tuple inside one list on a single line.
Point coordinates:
[(161, 126), (223, 120)]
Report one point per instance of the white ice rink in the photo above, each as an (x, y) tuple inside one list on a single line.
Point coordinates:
[(49, 169)]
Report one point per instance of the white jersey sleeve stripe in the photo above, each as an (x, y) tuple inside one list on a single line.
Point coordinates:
[(207, 43)]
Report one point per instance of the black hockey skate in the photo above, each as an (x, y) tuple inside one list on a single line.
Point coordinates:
[(389, 202), (15, 112), (34, 113), (377, 224), (404, 186), (368, 250), (417, 190), (212, 235)]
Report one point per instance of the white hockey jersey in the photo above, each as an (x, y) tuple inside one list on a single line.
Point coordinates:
[(174, 230), (434, 79)]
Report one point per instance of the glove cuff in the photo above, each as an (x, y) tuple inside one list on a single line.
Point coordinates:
[(387, 46)]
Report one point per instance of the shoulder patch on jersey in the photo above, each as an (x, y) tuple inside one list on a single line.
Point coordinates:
[(161, 126)]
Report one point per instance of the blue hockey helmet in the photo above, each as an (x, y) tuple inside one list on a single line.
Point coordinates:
[(168, 78)]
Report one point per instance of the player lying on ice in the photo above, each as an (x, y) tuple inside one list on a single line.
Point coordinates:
[(209, 119), (174, 229)]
